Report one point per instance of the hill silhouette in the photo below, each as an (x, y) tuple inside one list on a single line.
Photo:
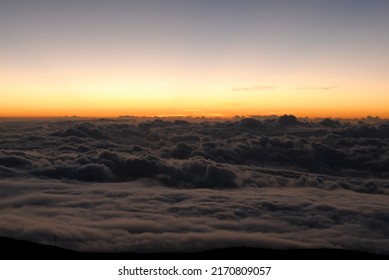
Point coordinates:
[(12, 249)]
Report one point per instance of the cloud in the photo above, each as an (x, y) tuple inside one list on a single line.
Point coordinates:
[(288, 120), (144, 217), (182, 185), (14, 161), (250, 123)]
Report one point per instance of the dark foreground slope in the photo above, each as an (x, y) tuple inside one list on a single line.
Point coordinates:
[(13, 249)]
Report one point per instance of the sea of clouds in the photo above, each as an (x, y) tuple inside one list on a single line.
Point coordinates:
[(147, 185)]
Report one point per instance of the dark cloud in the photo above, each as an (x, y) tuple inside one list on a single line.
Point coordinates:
[(330, 123), (288, 120), (250, 123), (82, 130), (165, 184), (94, 172), (181, 150), (14, 161)]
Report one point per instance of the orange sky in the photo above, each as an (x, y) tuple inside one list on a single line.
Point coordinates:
[(181, 97), (248, 58)]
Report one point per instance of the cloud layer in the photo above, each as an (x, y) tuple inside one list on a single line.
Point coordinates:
[(157, 185), (144, 217)]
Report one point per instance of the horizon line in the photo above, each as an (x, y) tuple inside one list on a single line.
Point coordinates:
[(211, 116)]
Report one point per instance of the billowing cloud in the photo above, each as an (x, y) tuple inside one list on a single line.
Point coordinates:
[(184, 185), (144, 217)]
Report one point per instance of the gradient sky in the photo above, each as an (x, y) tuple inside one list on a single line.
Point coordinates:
[(214, 58)]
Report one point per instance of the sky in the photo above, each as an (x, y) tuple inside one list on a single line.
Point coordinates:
[(212, 58)]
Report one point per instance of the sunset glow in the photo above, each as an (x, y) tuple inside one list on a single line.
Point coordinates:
[(194, 129), (194, 59)]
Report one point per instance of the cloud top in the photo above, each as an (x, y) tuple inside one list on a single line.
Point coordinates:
[(163, 185)]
